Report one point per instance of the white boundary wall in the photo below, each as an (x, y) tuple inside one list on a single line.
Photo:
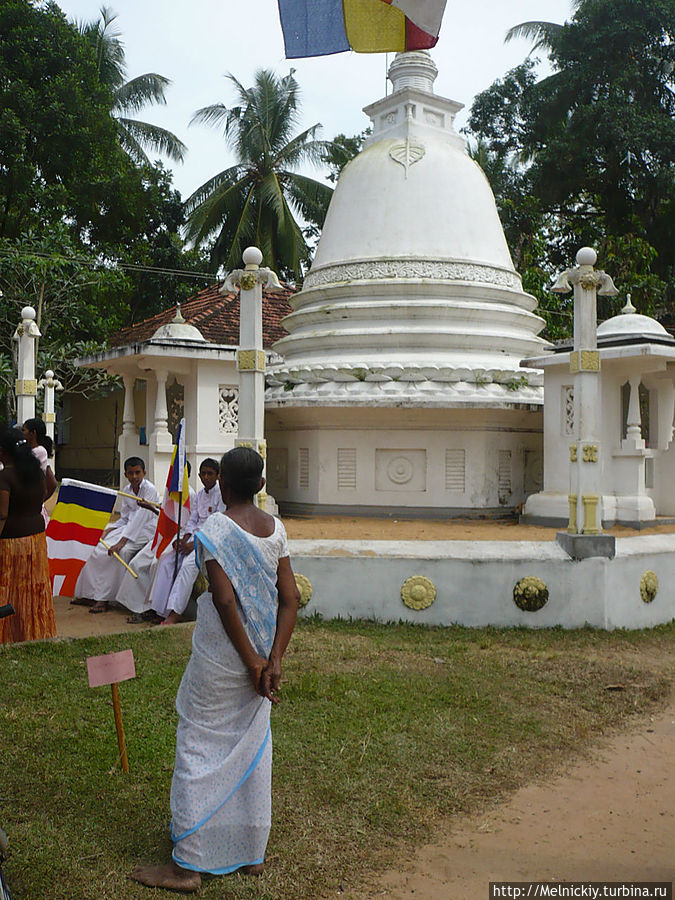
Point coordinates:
[(474, 581)]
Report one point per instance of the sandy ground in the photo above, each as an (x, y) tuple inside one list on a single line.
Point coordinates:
[(354, 528), (608, 819)]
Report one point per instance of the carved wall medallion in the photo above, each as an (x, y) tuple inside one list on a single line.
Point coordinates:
[(649, 586), (400, 470), (305, 589), (418, 592), (530, 593)]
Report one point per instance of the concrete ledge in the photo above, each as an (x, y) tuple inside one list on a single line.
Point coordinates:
[(586, 546), (288, 508)]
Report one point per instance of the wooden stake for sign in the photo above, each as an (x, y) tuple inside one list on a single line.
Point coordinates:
[(111, 668), (119, 725)]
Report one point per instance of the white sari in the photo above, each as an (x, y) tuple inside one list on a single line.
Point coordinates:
[(221, 789)]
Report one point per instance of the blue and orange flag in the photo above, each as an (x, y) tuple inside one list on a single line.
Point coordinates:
[(321, 27), (75, 528), (176, 502)]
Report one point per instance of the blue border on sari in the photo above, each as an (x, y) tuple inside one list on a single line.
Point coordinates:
[(247, 774)]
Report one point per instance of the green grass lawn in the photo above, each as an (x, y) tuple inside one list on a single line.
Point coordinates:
[(383, 733)]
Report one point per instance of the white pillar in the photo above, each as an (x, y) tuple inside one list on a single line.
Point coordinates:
[(161, 422), (49, 384), (633, 439), (585, 453), (26, 383), (251, 356), (129, 413)]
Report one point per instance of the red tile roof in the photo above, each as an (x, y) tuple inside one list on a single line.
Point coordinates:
[(216, 315)]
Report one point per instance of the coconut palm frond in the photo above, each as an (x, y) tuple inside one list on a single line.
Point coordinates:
[(154, 138), (541, 33), (144, 90)]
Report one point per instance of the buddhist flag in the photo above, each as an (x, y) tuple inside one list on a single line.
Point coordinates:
[(176, 502), (80, 516), (320, 27)]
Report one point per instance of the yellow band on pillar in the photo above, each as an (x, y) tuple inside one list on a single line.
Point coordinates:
[(590, 502), (251, 360), (572, 527), (26, 386)]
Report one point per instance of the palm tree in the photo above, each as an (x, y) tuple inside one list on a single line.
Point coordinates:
[(130, 97), (542, 33), (254, 201)]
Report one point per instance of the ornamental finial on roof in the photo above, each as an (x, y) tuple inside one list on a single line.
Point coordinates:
[(628, 309), (178, 318)]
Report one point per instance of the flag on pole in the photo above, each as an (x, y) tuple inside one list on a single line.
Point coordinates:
[(176, 502), (80, 516), (321, 27)]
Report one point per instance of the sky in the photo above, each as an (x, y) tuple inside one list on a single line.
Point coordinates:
[(196, 43)]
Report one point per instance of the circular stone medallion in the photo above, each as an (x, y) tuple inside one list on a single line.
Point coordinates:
[(649, 586), (305, 588), (418, 592), (530, 593)]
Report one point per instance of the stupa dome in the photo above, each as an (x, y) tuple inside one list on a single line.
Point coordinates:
[(412, 279)]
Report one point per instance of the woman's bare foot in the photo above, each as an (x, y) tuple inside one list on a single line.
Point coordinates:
[(100, 607), (256, 869), (172, 619), (169, 876)]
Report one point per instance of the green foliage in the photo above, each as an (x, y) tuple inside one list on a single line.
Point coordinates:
[(56, 136), (75, 211), (256, 201), (341, 150), (593, 146)]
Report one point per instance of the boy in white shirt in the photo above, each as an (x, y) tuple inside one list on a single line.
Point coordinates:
[(102, 574), (169, 598)]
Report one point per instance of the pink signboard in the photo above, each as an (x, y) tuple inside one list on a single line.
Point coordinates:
[(110, 668)]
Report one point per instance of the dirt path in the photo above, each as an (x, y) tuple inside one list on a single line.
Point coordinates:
[(608, 819)]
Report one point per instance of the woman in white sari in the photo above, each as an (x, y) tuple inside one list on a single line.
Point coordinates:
[(221, 789)]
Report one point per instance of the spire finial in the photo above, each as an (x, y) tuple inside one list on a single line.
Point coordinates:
[(178, 318), (628, 309)]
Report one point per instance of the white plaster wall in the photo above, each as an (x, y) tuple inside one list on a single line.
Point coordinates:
[(475, 580), (421, 452)]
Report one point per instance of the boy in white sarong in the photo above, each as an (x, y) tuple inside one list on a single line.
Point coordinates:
[(168, 597), (134, 593), (102, 574)]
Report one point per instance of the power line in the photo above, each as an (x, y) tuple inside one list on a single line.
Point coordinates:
[(90, 263)]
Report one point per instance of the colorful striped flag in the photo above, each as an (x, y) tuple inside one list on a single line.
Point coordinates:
[(176, 502), (80, 516), (321, 27)]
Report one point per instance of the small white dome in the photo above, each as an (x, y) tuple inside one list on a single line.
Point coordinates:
[(178, 330), (630, 324)]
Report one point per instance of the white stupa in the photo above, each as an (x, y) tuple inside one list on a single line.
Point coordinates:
[(401, 388)]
